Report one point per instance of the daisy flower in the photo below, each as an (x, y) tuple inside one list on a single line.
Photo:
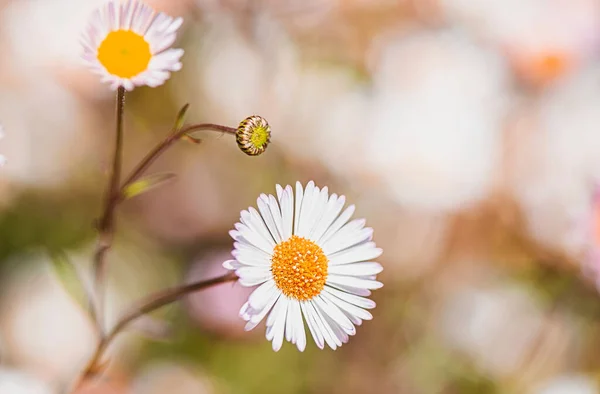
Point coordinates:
[(311, 264), (127, 44)]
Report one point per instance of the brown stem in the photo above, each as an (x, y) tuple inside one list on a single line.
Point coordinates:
[(166, 143), (140, 308), (106, 223)]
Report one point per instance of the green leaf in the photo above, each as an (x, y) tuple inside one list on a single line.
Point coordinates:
[(71, 278), (147, 183), (180, 120)]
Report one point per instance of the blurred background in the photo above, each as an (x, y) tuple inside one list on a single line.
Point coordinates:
[(466, 132)]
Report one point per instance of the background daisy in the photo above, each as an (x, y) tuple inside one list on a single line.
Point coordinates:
[(312, 264), (127, 43)]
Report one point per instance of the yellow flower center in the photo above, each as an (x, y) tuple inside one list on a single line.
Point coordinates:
[(299, 268), (259, 137), (124, 53)]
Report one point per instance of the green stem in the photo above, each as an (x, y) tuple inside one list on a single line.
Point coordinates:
[(106, 225), (166, 143), (140, 308)]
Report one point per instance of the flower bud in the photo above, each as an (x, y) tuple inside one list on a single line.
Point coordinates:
[(253, 135)]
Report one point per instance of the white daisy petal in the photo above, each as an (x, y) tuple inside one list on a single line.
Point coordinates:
[(266, 214), (253, 272), (320, 327), (312, 325), (261, 295), (278, 327), (358, 283), (319, 203), (339, 243), (312, 264), (334, 313), (255, 319), (168, 60), (337, 224), (253, 220), (330, 337), (305, 209), (289, 323), (247, 246), (352, 310), (298, 206), (361, 302), (275, 311), (253, 281), (287, 212), (231, 264), (127, 42), (253, 238), (319, 212), (276, 213), (356, 269), (351, 290), (298, 325), (333, 209), (251, 258), (245, 311), (363, 252), (250, 251), (337, 331)]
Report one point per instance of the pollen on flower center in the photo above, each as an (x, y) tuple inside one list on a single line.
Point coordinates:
[(124, 53), (299, 268)]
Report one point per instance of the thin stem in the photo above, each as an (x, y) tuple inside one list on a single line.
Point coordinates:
[(140, 308), (166, 143), (106, 225)]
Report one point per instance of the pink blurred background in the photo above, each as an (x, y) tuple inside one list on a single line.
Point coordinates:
[(466, 132)]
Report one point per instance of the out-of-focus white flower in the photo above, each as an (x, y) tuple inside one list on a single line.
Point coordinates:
[(42, 35), (328, 117), (311, 264), (569, 384), (544, 40), (303, 14), (46, 332), (45, 149), (434, 135), (173, 378), (499, 327), (45, 52), (556, 162), (17, 382), (242, 74), (128, 44)]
